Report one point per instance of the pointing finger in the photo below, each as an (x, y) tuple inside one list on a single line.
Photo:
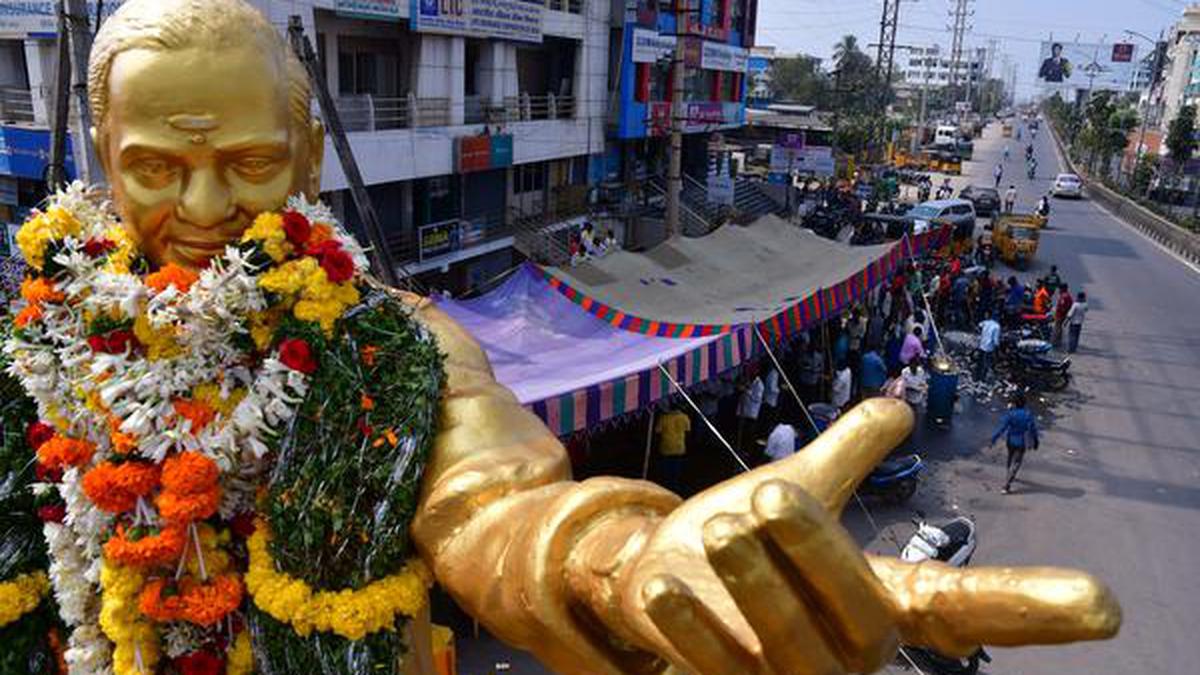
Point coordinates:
[(692, 630), (833, 465), (956, 610)]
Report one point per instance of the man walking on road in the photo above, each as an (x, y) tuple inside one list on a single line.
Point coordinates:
[(1019, 428), (998, 172), (1010, 198), (1075, 316), (989, 339), (1061, 308)]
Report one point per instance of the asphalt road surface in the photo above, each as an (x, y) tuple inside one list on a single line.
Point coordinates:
[(1115, 488)]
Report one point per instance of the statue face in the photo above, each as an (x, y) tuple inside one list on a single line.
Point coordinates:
[(196, 144)]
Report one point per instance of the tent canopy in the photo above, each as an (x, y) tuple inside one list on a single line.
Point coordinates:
[(736, 275), (542, 345)]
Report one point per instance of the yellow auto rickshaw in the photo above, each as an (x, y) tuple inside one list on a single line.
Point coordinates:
[(1015, 242), (1007, 129), (1035, 220)]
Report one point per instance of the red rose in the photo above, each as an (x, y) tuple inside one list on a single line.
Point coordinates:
[(338, 266), (297, 228), (38, 433), (95, 248), (297, 355), (112, 342), (200, 663), (327, 246), (242, 524), (46, 474), (54, 513)]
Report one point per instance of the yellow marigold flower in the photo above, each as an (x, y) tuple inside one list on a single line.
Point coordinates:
[(267, 229), (36, 234), (318, 300), (351, 613), (210, 395), (134, 638), (240, 660), (21, 596), (159, 342), (121, 258)]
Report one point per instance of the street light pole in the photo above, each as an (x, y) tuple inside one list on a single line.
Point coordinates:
[(1137, 151)]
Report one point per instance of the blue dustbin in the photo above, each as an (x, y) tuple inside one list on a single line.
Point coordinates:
[(943, 391)]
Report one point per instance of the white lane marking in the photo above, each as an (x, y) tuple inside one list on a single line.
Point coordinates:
[(1170, 252)]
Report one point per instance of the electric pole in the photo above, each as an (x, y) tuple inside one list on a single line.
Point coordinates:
[(56, 169), (81, 50), (675, 160), (885, 60), (958, 28)]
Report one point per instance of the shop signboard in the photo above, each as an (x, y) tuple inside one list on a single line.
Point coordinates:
[(24, 153), (483, 153), (719, 56), (650, 47), (387, 10), (697, 117), (438, 239), (812, 159), (39, 18), (517, 20)]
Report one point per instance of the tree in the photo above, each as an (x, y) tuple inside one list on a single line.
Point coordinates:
[(800, 79), (1181, 137)]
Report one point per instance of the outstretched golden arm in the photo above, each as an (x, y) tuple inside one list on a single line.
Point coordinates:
[(754, 575)]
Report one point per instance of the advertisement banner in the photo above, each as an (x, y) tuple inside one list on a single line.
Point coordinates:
[(25, 152), (812, 159), (650, 47), (1067, 66), (24, 18), (438, 239), (516, 20), (483, 153), (705, 116), (388, 10), (717, 56)]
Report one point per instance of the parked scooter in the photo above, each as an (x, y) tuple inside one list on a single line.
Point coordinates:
[(894, 480), (1029, 361), (952, 543)]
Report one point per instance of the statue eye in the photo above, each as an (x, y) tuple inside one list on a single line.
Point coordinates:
[(254, 167), (154, 170)]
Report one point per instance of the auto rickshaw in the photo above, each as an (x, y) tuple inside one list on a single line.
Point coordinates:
[(1015, 242), (947, 162), (1031, 219), (1007, 129)]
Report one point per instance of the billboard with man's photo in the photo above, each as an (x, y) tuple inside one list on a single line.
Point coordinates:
[(1080, 65)]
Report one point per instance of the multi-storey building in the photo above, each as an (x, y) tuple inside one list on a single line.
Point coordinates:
[(464, 117), (1181, 76), (931, 66)]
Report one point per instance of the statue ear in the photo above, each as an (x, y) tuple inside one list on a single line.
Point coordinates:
[(100, 146), (316, 142)]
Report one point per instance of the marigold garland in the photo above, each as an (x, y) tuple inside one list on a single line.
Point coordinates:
[(162, 548), (22, 595), (135, 639), (203, 604), (189, 473), (240, 660), (115, 488), (177, 507), (61, 452), (352, 614)]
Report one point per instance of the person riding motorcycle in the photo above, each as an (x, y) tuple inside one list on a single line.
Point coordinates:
[(1031, 167), (1043, 207)]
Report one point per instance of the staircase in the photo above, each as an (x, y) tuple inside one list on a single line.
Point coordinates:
[(693, 222), (751, 202), (545, 243)]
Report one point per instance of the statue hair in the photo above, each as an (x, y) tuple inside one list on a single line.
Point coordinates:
[(160, 25)]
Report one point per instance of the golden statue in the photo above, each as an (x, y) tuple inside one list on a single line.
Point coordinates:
[(203, 120)]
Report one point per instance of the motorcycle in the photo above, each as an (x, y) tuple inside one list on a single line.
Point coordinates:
[(894, 480), (1028, 361), (952, 543)]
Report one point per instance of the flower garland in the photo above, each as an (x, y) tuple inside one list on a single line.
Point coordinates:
[(349, 613), (162, 393), (21, 596)]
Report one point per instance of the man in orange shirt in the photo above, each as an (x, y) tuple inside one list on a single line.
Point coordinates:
[(1041, 299)]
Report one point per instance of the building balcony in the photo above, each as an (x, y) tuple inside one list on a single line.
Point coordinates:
[(16, 106)]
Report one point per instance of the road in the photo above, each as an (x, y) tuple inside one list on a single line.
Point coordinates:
[(1115, 488)]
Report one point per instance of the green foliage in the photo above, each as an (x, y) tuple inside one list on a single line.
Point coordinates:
[(800, 79), (1143, 173), (342, 494), (1181, 136)]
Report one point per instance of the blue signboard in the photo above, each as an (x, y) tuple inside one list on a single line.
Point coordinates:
[(25, 153), (502, 150)]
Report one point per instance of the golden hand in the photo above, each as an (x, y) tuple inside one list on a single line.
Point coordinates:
[(756, 575)]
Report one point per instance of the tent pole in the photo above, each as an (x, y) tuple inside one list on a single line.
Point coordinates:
[(649, 439), (786, 380)]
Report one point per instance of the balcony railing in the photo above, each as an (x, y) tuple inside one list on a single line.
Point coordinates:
[(366, 112), (572, 6), (16, 106), (527, 107)]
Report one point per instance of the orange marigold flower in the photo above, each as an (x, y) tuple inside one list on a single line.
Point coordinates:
[(203, 604), (115, 488), (177, 507), (200, 413), (189, 473), (321, 233), (122, 443), (368, 355), (391, 438), (61, 452), (37, 291), (163, 548), (172, 275), (27, 315), (367, 403)]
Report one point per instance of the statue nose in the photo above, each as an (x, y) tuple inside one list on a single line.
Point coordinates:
[(207, 200)]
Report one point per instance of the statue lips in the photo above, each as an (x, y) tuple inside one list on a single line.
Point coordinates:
[(195, 246)]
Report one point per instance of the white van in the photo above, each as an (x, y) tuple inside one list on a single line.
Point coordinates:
[(945, 135)]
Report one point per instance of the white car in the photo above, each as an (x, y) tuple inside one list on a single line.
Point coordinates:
[(1067, 185)]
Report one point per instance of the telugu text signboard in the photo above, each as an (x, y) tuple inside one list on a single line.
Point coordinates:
[(650, 47), (24, 18), (501, 19), (438, 239), (718, 56)]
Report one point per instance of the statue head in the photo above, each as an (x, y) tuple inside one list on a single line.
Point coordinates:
[(202, 120)]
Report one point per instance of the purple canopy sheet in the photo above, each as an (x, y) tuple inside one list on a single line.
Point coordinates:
[(543, 345)]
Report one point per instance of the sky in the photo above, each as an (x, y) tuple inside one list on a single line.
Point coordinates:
[(1017, 26)]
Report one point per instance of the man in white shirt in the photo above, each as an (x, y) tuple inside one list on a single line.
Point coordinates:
[(771, 395), (781, 444), (915, 384), (989, 340), (749, 406), (1075, 317), (841, 388)]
